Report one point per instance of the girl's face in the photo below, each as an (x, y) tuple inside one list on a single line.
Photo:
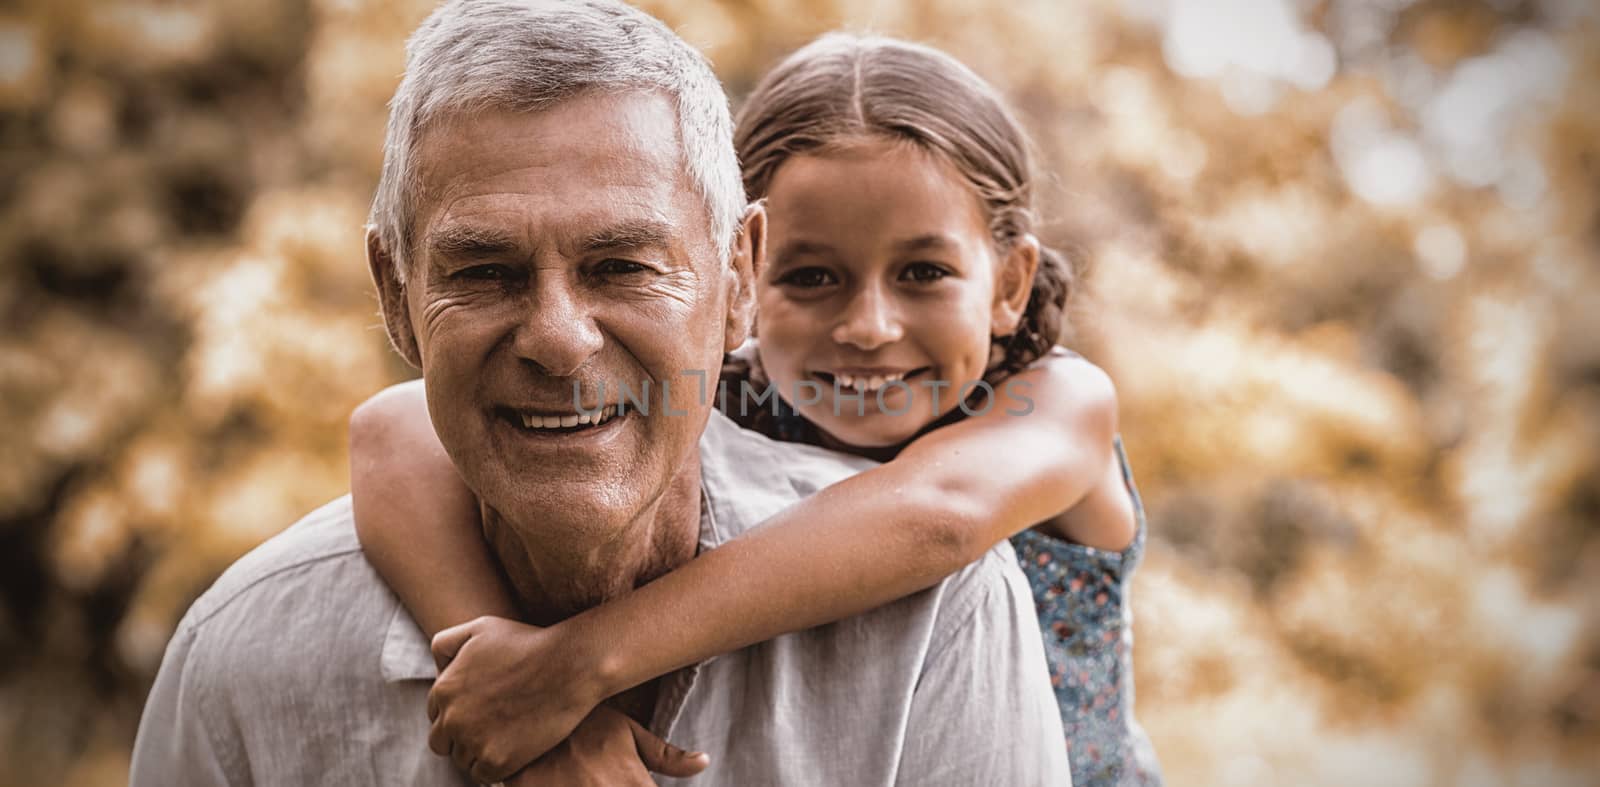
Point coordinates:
[(881, 269)]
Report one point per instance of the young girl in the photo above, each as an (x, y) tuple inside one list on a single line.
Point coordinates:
[(902, 273)]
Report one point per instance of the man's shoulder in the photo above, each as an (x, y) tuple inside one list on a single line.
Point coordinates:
[(862, 689), (990, 586), (749, 477), (324, 536), (308, 590), (300, 634)]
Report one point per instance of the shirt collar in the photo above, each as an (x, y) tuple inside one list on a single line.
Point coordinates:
[(742, 481)]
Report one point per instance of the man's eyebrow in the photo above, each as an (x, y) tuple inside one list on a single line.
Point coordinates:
[(629, 234), (465, 240)]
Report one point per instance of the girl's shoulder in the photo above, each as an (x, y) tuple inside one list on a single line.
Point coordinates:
[(1061, 351), (1064, 376), (1064, 357)]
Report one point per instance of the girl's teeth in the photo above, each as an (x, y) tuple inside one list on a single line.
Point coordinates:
[(869, 383)]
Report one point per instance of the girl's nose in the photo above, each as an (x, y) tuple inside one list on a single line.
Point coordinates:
[(869, 321)]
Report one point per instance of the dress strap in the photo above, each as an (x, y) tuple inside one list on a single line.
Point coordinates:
[(1135, 547)]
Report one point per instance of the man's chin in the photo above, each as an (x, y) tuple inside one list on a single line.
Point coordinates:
[(537, 504)]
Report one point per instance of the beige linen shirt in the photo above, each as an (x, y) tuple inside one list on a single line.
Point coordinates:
[(300, 667)]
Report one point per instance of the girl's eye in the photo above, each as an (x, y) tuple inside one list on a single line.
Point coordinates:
[(808, 277), (923, 272), (620, 267)]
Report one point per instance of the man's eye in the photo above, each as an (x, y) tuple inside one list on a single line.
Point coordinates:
[(808, 277), (923, 272), (620, 267), (485, 273)]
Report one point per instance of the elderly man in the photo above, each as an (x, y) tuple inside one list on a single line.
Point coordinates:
[(560, 203)]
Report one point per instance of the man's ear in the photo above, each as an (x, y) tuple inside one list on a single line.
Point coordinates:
[(392, 299), (1013, 285), (748, 256)]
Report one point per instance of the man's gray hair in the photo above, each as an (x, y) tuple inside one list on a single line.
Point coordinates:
[(525, 55)]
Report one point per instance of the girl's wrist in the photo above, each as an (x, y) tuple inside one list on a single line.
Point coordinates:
[(602, 668)]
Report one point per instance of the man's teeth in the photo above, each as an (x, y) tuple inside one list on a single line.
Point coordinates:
[(530, 421), (868, 384)]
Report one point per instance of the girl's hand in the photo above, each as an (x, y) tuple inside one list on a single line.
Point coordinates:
[(606, 749), (507, 693)]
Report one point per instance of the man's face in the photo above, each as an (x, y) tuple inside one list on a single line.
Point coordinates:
[(557, 247)]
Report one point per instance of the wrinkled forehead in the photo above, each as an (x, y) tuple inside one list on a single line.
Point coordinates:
[(595, 157)]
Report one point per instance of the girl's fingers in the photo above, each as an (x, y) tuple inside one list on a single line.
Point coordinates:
[(438, 741), (446, 644), (483, 773)]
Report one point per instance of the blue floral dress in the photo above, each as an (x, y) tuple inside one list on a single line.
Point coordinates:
[(1081, 594)]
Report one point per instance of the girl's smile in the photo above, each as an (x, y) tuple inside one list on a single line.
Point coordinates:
[(880, 289)]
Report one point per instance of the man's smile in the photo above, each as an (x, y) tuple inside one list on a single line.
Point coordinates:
[(573, 427)]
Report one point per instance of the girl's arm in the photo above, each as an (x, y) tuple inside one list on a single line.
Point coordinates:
[(876, 536), (418, 523), (512, 691)]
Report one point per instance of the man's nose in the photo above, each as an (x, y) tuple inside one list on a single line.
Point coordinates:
[(869, 320), (559, 333)]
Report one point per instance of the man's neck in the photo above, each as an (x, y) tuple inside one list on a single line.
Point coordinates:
[(553, 581)]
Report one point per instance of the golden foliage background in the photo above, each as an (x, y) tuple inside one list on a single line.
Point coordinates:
[(1342, 263)]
